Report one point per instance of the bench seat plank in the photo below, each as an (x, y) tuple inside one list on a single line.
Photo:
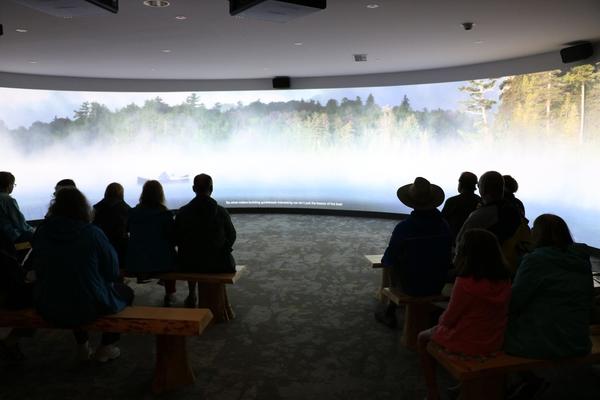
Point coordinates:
[(397, 296), (464, 370), (152, 320), (227, 278)]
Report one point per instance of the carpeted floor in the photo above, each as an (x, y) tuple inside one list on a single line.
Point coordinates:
[(304, 329)]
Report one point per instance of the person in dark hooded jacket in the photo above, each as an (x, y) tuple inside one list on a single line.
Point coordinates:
[(111, 215), (151, 245), (204, 234)]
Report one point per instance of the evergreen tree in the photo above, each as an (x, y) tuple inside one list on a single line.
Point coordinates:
[(478, 103)]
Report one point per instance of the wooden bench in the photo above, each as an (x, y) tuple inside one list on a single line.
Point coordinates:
[(417, 316), (375, 263), (212, 293), (486, 379), (170, 325)]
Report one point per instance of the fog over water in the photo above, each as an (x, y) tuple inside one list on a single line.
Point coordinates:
[(306, 157)]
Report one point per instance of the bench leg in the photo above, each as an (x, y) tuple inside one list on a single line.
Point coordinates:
[(385, 282), (214, 297), (172, 368), (417, 318), (491, 388)]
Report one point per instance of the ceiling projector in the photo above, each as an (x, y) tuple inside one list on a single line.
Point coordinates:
[(275, 10), (72, 8)]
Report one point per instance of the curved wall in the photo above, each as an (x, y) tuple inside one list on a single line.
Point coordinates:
[(534, 63)]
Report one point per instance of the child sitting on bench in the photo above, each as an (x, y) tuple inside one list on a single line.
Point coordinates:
[(475, 320)]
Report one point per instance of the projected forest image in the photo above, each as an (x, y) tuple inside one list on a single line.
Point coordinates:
[(332, 148)]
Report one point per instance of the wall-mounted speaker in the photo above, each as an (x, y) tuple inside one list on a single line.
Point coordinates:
[(577, 53), (281, 82)]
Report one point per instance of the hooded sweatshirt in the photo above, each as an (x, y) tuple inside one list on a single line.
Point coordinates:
[(75, 269), (151, 245), (205, 237), (551, 303), (475, 320), (419, 253)]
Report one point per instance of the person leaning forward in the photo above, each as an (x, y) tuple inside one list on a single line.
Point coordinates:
[(204, 235), (420, 246)]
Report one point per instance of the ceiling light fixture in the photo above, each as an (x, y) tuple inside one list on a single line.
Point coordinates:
[(479, 42), (298, 44), (157, 3), (32, 62), (181, 17), (21, 30), (166, 50), (372, 6)]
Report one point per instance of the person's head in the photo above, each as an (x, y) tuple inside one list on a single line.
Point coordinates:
[(114, 191), (467, 183), (510, 184), (70, 202), (7, 182), (421, 195), (551, 230), (491, 187), (478, 255), (64, 183), (203, 185), (152, 194)]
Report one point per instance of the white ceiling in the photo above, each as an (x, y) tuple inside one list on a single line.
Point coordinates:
[(399, 35)]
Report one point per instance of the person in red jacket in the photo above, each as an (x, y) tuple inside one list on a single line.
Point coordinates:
[(477, 314)]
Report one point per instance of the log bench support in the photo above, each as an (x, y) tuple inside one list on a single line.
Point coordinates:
[(214, 297), (418, 314), (172, 368)]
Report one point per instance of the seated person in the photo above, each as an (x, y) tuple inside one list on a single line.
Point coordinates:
[(457, 209), (111, 215), (552, 296), (15, 293), (419, 249), (151, 245), (510, 188), (204, 234), (499, 217), (475, 320), (77, 272), (63, 183), (12, 222)]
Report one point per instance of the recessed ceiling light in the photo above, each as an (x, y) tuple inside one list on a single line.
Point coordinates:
[(21, 30), (479, 42), (372, 6), (157, 3), (166, 50), (181, 17), (32, 62), (298, 44)]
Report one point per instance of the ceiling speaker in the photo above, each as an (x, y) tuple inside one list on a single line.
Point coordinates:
[(281, 82), (577, 53)]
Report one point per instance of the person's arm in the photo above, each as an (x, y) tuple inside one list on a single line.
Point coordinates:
[(459, 302), (108, 263), (390, 256), (17, 220), (525, 285), (230, 233)]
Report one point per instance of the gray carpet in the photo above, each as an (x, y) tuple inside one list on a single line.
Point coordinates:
[(304, 329)]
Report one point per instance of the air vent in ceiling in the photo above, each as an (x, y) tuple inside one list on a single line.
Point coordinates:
[(360, 57)]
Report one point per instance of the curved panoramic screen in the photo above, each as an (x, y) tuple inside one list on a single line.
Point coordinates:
[(344, 149)]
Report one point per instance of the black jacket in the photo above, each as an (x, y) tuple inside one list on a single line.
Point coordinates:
[(112, 218), (457, 209), (204, 235)]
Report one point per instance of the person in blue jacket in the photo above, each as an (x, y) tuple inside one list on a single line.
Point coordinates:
[(420, 246), (77, 274), (13, 225), (152, 237)]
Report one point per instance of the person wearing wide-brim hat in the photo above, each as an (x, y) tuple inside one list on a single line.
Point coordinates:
[(419, 248)]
